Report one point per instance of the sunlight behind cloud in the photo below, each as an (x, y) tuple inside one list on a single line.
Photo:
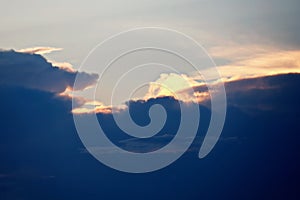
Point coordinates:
[(39, 50), (167, 85), (243, 62), (253, 61)]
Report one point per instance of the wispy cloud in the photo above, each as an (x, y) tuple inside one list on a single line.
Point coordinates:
[(255, 61), (63, 65), (39, 50), (86, 107)]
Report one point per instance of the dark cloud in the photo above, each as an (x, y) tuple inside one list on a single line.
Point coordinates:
[(278, 94), (258, 94), (33, 71), (256, 158)]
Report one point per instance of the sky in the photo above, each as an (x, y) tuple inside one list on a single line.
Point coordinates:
[(237, 34), (71, 24), (235, 127)]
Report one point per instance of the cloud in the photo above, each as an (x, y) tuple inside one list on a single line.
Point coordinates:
[(277, 93), (170, 85), (63, 65), (45, 50), (35, 72), (243, 62), (179, 86), (251, 61), (38, 139), (89, 107), (39, 50)]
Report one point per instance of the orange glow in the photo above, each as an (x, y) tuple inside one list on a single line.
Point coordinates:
[(63, 65), (88, 108), (244, 62), (39, 50), (67, 93), (252, 61)]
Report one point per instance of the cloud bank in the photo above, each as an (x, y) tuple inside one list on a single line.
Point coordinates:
[(34, 72), (41, 152)]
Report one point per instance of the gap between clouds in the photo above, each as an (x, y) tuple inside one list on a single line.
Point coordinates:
[(28, 68), (244, 62)]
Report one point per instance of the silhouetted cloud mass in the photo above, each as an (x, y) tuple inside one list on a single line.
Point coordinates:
[(42, 157), (33, 71)]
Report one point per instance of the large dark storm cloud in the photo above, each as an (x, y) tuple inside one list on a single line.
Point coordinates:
[(33, 71), (257, 157)]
